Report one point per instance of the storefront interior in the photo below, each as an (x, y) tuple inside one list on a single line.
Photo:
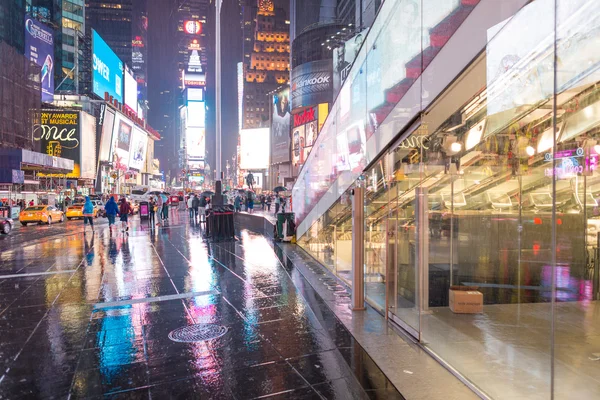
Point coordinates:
[(497, 187)]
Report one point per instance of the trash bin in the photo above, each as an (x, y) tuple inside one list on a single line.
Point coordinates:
[(219, 223), (285, 228), (144, 210)]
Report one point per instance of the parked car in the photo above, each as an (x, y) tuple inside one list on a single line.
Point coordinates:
[(6, 225)]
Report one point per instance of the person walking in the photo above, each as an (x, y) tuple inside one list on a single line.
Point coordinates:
[(195, 207), (190, 205), (159, 206), (269, 201), (250, 203), (165, 207), (88, 214), (262, 201), (202, 209), (124, 211), (151, 210), (112, 209)]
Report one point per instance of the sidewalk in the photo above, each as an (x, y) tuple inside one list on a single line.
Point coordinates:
[(413, 371)]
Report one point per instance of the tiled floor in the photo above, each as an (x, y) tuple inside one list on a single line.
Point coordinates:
[(60, 340)]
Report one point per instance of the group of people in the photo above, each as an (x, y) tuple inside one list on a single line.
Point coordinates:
[(20, 203), (266, 200), (197, 207), (113, 210), (160, 205)]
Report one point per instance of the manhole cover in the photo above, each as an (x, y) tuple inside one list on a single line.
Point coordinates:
[(197, 333)]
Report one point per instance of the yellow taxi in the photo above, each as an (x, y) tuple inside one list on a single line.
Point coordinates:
[(76, 211), (41, 214)]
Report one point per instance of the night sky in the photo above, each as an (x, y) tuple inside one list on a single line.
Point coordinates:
[(163, 75)]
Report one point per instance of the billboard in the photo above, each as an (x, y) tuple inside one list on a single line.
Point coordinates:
[(122, 131), (196, 114), (131, 91), (192, 27), (139, 146), (343, 57), (195, 139), (312, 83), (39, 48), (280, 127), (194, 79), (298, 145), (88, 146), (107, 74), (254, 148), (70, 135), (105, 152)]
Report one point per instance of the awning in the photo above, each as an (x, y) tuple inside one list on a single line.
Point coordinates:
[(21, 159)]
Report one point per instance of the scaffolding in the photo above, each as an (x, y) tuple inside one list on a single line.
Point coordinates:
[(20, 98)]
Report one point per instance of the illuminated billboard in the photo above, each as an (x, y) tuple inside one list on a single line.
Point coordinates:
[(107, 74), (196, 114), (194, 80), (39, 48), (195, 143), (131, 91), (139, 145), (192, 27), (122, 132), (254, 148), (280, 127)]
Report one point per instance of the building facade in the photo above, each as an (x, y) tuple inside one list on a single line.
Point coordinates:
[(267, 66), (113, 20), (476, 150)]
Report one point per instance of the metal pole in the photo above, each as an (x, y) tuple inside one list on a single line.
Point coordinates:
[(358, 256), (218, 88)]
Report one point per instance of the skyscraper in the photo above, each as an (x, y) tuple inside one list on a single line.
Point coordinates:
[(266, 66), (192, 39), (112, 19)]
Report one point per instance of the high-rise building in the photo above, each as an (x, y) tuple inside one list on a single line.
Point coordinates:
[(12, 14), (67, 18), (267, 66), (139, 47), (112, 19), (192, 39)]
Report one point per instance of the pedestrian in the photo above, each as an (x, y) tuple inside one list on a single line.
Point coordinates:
[(31, 203), (88, 214), (262, 202), (151, 210), (195, 207), (202, 209), (165, 207), (269, 200), (283, 201), (159, 206), (190, 205), (67, 201), (250, 203), (124, 211), (237, 203), (112, 209), (277, 203)]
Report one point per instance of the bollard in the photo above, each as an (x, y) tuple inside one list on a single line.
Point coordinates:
[(358, 255)]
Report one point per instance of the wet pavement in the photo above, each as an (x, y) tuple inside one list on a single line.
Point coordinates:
[(90, 317)]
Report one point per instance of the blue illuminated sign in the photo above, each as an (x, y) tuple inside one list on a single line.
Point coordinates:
[(107, 76), (39, 48)]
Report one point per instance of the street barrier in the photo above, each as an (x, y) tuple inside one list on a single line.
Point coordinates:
[(219, 223)]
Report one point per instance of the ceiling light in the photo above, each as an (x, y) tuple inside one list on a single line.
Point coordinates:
[(530, 151), (456, 147)]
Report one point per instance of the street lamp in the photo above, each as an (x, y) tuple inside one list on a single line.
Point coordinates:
[(218, 198)]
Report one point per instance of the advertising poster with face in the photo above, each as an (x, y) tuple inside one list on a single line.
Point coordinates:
[(298, 144), (139, 145)]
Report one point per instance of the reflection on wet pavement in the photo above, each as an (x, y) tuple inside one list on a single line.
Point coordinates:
[(90, 316)]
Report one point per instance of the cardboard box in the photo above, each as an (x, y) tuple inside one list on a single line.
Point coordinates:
[(466, 301)]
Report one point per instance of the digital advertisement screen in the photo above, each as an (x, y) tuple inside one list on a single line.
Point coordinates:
[(131, 91), (196, 114), (298, 146), (254, 148), (280, 127), (59, 136), (312, 83), (195, 143), (106, 138), (107, 74), (122, 132), (88, 146), (139, 146), (39, 48)]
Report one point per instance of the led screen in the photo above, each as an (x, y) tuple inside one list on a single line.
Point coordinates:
[(254, 148), (131, 91), (139, 145), (107, 74)]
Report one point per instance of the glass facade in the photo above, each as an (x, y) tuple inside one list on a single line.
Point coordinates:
[(478, 144)]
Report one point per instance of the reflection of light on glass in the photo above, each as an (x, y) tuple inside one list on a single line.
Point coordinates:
[(546, 141), (455, 147), (530, 151), (474, 135)]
